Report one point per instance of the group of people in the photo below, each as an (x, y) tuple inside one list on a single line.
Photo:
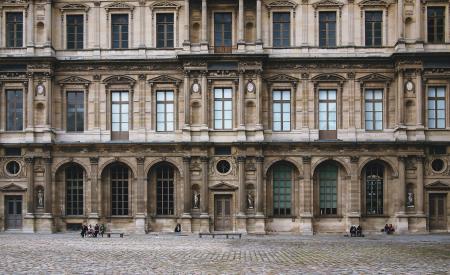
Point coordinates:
[(356, 231), (388, 229), (89, 231)]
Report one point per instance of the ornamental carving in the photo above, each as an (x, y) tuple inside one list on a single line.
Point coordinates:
[(374, 3), (328, 78), (375, 77), (327, 4), (165, 79), (74, 80), (74, 7), (283, 78), (119, 5), (119, 79), (281, 3), (165, 5)]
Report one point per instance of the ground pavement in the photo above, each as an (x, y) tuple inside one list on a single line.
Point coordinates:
[(171, 254)]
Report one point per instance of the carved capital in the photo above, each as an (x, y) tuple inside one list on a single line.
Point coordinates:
[(204, 159), (240, 158), (93, 160), (259, 159), (48, 160), (186, 159), (140, 160), (354, 159), (29, 160), (306, 160)]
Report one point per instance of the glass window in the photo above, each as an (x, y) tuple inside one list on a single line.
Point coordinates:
[(119, 114), (374, 110), (281, 110), (281, 29), (164, 111), (119, 30), (164, 30), (75, 111), (74, 190), (282, 186), (119, 190), (327, 109), (436, 23), (14, 110), (327, 29), (222, 32), (436, 107), (328, 189), (223, 110), (374, 22), (164, 190), (14, 29), (75, 31), (374, 189)]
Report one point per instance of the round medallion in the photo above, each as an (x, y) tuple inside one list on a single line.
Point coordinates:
[(223, 166), (409, 86), (40, 89), (250, 87), (13, 168), (196, 87), (438, 165)]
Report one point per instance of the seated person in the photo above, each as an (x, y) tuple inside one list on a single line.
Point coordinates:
[(359, 231), (352, 231), (386, 229), (391, 229), (178, 228)]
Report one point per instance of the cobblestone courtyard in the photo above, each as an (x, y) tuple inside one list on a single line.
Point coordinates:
[(170, 254)]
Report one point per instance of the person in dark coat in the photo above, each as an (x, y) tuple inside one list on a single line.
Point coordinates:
[(82, 231), (96, 230)]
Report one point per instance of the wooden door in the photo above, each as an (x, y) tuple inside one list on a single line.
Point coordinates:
[(438, 215), (222, 219), (13, 208)]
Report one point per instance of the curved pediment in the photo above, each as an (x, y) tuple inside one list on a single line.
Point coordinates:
[(281, 4), (119, 5), (74, 80), (223, 186), (327, 4), (165, 5), (438, 185), (12, 187), (328, 78), (165, 79), (74, 7), (119, 79), (374, 3), (282, 78), (375, 77)]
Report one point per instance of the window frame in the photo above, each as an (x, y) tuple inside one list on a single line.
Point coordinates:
[(383, 190), (129, 27), (337, 28), (165, 7), (382, 38), (233, 31), (289, 23), (165, 32), (213, 97), (125, 206), (327, 102), (66, 35), (445, 26), (165, 103), (273, 101), (6, 32), (446, 105), (7, 126), (318, 208), (290, 197), (373, 101), (66, 202), (67, 110), (169, 206), (120, 135)]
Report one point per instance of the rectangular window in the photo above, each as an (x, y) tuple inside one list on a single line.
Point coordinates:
[(119, 190), (75, 29), (164, 111), (74, 190), (281, 110), (374, 22), (75, 111), (14, 110), (327, 29), (164, 30), (119, 114), (327, 110), (282, 189), (281, 29), (14, 29), (374, 109), (223, 110), (119, 31), (222, 32), (436, 24), (328, 190), (164, 190), (436, 107)]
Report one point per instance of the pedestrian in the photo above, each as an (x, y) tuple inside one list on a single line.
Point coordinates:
[(96, 230), (102, 229), (83, 232)]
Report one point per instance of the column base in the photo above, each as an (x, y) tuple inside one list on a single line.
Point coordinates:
[(44, 223), (186, 46), (241, 223), (29, 223), (93, 218), (204, 134), (417, 223), (204, 47), (187, 133), (306, 226), (260, 224), (139, 224), (402, 223), (241, 134), (259, 46), (241, 46), (204, 223), (186, 223)]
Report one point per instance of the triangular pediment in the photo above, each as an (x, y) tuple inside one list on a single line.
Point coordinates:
[(223, 186), (73, 7), (165, 5), (119, 5), (119, 79), (438, 185), (328, 78), (374, 3), (164, 79), (281, 3), (375, 77), (14, 3), (12, 187), (282, 78), (74, 80), (327, 3)]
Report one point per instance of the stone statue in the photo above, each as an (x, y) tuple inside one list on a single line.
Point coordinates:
[(196, 200), (410, 201), (40, 196), (250, 201)]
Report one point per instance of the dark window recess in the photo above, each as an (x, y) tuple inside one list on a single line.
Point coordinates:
[(164, 30), (75, 32), (281, 29), (14, 110), (165, 178), (222, 32), (13, 151), (438, 150), (437, 165), (75, 111), (13, 167), (222, 151), (223, 166), (119, 30), (14, 29), (327, 29), (73, 226), (436, 24), (374, 21)]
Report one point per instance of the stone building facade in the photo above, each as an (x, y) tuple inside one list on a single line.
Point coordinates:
[(257, 116)]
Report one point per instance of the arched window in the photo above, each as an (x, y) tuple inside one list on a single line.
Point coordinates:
[(282, 186), (328, 175), (374, 189), (74, 190), (164, 190), (119, 190)]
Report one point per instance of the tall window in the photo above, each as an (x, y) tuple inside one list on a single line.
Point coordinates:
[(119, 114), (164, 111), (328, 189), (14, 110), (75, 111), (436, 107), (327, 113), (281, 110), (374, 189), (119, 30), (374, 22), (222, 32), (75, 29), (74, 190), (223, 109), (282, 184), (436, 24), (327, 29), (164, 30), (374, 109), (14, 29), (119, 190), (164, 190), (281, 29)]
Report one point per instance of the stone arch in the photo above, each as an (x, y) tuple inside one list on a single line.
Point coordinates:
[(158, 161), (107, 163), (339, 161), (65, 162), (292, 161), (385, 161)]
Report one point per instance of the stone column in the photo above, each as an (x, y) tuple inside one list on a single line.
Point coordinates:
[(204, 100), (186, 41), (241, 41), (97, 24), (204, 33), (48, 191), (241, 103), (186, 225), (30, 102), (259, 217), (29, 220), (401, 191), (93, 214), (258, 100), (48, 23), (30, 27), (400, 96), (419, 94), (204, 197), (354, 193), (400, 25), (420, 187), (140, 194), (305, 26), (306, 216), (187, 99), (48, 116), (258, 23), (242, 190), (142, 24)]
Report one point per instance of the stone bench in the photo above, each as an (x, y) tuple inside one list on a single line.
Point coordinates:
[(220, 234), (108, 234)]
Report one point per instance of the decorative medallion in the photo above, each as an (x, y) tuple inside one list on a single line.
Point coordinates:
[(409, 86), (195, 87), (251, 87), (40, 89)]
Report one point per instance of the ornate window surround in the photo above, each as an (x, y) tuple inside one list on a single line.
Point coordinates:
[(328, 5), (432, 82), (165, 82), (14, 6), (71, 84), (74, 9), (13, 84), (119, 8), (282, 6), (377, 5), (165, 7), (436, 3)]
